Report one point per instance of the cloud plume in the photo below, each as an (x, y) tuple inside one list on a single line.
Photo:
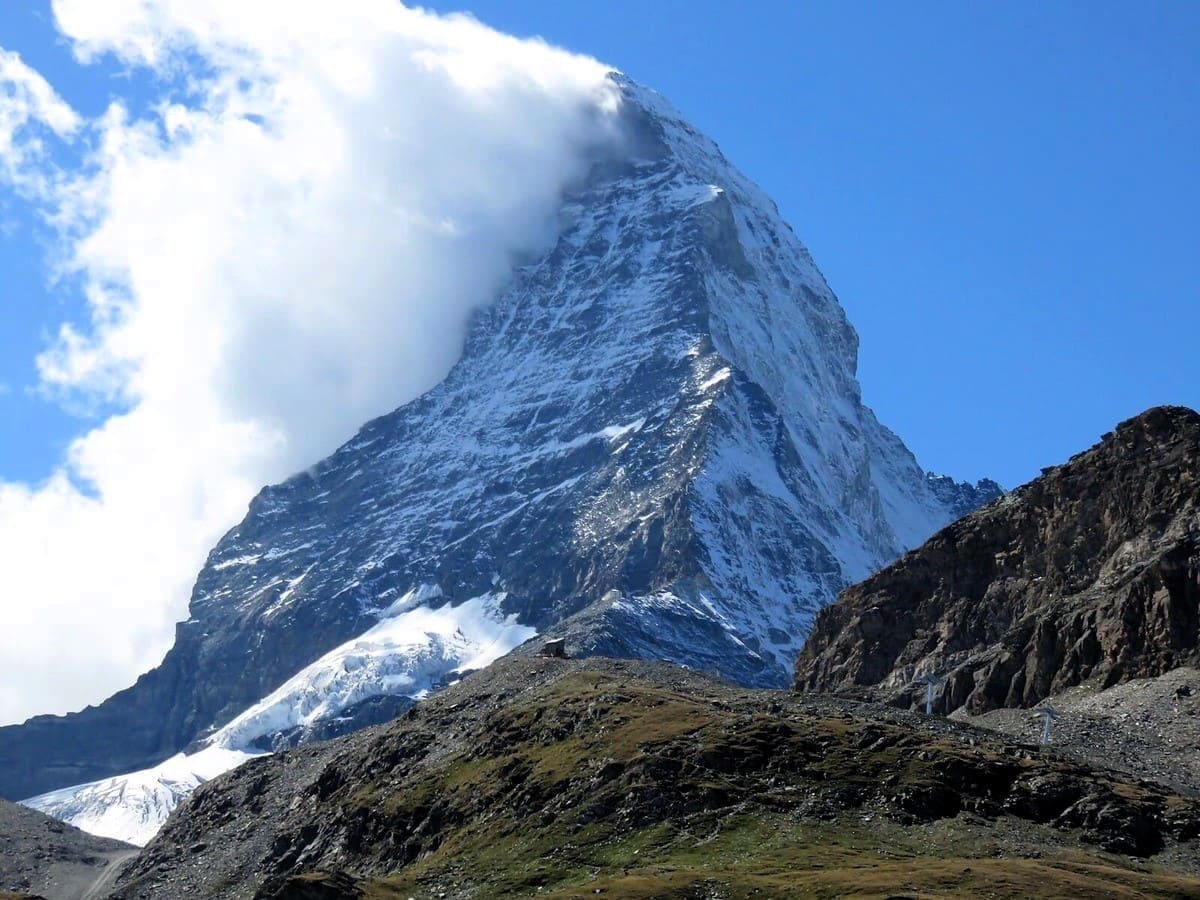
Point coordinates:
[(289, 244)]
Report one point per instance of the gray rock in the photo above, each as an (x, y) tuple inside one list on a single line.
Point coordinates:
[(42, 856)]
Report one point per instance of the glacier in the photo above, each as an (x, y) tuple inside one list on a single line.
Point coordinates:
[(133, 807), (654, 445), (412, 650)]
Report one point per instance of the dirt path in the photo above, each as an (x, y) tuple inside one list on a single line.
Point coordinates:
[(108, 875)]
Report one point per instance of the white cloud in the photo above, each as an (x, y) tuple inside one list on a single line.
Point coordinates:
[(288, 251), (28, 108)]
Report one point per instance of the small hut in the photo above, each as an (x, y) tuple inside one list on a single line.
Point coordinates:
[(556, 649)]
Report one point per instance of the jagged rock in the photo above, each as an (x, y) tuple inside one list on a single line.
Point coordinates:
[(311, 886), (1090, 571)]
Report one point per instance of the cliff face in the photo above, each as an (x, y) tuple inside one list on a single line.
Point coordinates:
[(1093, 569)]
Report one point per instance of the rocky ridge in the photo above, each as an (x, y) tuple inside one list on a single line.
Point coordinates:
[(564, 778), (1091, 571)]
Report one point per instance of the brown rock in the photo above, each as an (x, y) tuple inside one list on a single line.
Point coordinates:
[(1093, 569)]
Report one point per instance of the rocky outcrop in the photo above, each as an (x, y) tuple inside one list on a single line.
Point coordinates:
[(1091, 570)]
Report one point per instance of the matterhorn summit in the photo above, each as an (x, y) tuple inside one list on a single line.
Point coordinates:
[(653, 445)]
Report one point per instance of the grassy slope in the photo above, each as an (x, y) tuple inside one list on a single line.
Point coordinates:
[(600, 785), (765, 857)]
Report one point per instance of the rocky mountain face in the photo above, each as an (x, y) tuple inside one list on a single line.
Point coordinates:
[(1092, 571), (556, 778), (653, 445)]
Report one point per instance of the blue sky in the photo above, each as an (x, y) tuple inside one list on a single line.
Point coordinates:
[(1003, 196)]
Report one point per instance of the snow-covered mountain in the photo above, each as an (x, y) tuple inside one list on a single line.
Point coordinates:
[(654, 445)]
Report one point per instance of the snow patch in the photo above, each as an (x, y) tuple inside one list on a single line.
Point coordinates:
[(613, 432), (720, 376), (247, 560)]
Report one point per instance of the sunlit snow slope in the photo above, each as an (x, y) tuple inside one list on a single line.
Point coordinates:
[(133, 807), (653, 445), (412, 650)]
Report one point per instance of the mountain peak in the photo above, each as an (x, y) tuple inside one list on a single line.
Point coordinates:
[(653, 445), (1160, 424)]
